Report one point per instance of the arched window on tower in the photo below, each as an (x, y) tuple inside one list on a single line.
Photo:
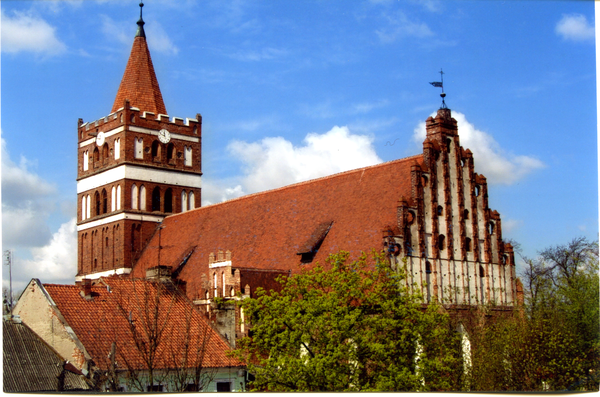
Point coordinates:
[(118, 197), (86, 160), (215, 284), (481, 283), (83, 209), (491, 227), (88, 206), (138, 148), (156, 151), (105, 153), (98, 203), (170, 153), (169, 200), (468, 244), (96, 157), (156, 199), (134, 197), (113, 199), (223, 283), (191, 201), (117, 148), (187, 156), (143, 198), (184, 201), (104, 201), (441, 242)]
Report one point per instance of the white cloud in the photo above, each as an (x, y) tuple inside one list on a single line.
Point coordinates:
[(508, 225), (54, 262), (491, 160), (399, 25), (574, 27), (267, 53), (366, 107), (27, 201), (274, 162), (23, 32), (159, 40)]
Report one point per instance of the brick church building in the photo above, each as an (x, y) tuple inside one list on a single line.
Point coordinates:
[(139, 213)]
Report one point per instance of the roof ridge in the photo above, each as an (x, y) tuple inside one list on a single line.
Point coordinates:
[(332, 176)]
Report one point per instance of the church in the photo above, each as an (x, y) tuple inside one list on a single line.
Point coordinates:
[(139, 213)]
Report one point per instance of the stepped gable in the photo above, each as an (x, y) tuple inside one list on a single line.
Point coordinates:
[(139, 84), (270, 230), (103, 318)]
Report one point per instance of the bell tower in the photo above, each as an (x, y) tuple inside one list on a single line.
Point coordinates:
[(135, 166)]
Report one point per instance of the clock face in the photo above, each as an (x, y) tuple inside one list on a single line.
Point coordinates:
[(100, 139), (164, 136)]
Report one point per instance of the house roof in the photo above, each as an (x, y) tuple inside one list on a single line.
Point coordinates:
[(30, 365), (271, 230), (123, 310), (139, 84)]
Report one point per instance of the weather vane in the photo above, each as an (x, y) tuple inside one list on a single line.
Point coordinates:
[(441, 85)]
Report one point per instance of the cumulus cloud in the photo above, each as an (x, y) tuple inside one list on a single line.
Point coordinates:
[(24, 32), (574, 27), (27, 201), (399, 26), (274, 161), (54, 262), (267, 53), (491, 160)]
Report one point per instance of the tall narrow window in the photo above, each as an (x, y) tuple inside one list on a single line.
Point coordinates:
[(117, 148), (191, 201), (143, 198), (83, 210), (184, 201), (86, 160), (98, 203), (88, 206), (156, 151), (481, 283), (96, 157), (468, 244), (170, 152), (187, 156), (138, 148), (223, 283), (118, 197), (134, 197), (441, 242), (105, 152), (169, 200), (428, 279), (104, 201), (113, 199), (156, 199), (215, 284)]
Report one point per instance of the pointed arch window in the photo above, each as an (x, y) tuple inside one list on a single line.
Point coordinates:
[(428, 279), (215, 284), (98, 202), (134, 197), (83, 209), (223, 283), (96, 157), (156, 199), (118, 197), (117, 148), (170, 152), (113, 199), (184, 201), (86, 160), (169, 200), (441, 242), (104, 201), (187, 156), (88, 206), (105, 152), (138, 148), (143, 198), (156, 151), (468, 244), (191, 201)]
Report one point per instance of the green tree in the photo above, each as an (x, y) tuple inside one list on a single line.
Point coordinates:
[(349, 326)]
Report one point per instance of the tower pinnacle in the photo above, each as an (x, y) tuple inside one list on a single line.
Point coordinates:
[(139, 84), (140, 31)]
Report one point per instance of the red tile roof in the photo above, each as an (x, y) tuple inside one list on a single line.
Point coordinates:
[(139, 84), (104, 319), (268, 230)]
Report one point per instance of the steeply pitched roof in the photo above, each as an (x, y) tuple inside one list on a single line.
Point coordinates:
[(270, 230), (119, 308), (30, 365), (139, 84)]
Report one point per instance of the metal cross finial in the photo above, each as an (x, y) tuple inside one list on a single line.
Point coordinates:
[(141, 5), (140, 23)]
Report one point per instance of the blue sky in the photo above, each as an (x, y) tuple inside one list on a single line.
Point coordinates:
[(291, 91)]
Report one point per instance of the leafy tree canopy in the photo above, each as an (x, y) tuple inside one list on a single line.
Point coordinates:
[(349, 326)]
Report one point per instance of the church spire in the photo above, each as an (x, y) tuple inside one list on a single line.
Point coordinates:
[(139, 84)]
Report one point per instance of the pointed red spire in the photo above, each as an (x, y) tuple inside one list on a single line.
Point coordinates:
[(139, 84)]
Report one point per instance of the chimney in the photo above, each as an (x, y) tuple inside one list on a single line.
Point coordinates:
[(86, 289)]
